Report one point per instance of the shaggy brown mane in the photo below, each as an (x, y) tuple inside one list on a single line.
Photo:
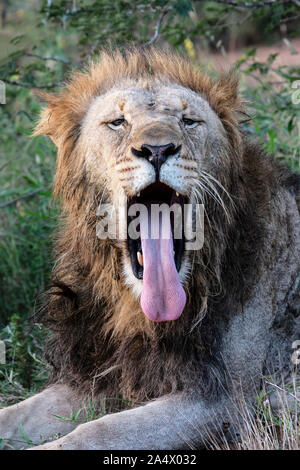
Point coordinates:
[(102, 343)]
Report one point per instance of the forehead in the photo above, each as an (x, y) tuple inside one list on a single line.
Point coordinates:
[(171, 99)]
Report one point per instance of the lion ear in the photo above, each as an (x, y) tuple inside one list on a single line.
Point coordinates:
[(45, 126), (225, 94), (60, 120), (48, 120)]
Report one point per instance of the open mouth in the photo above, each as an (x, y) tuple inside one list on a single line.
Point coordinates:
[(156, 247), (155, 194)]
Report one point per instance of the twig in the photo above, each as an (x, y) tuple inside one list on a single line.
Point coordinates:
[(255, 4), (290, 18), (28, 85), (236, 23), (22, 111), (293, 395), (157, 27), (93, 48), (24, 196), (3, 166), (54, 59)]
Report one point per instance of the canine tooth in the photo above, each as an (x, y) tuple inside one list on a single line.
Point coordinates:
[(138, 194), (140, 258), (177, 194)]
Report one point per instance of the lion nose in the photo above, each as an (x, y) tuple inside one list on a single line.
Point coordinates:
[(156, 154)]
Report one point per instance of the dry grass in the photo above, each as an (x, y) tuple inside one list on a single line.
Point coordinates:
[(273, 424)]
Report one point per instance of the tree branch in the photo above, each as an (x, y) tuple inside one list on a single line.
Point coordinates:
[(236, 23), (54, 59), (29, 85), (3, 166), (157, 27), (24, 196), (290, 18), (255, 4)]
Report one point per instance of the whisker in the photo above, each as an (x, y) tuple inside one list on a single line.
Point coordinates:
[(123, 170), (122, 160), (103, 191), (128, 178), (220, 185), (199, 196), (207, 185), (186, 167)]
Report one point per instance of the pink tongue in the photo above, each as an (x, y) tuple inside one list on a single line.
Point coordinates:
[(163, 297)]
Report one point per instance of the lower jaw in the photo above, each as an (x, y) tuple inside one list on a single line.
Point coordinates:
[(157, 194), (156, 256)]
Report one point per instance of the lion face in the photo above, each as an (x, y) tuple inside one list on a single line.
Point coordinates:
[(120, 127), (147, 144)]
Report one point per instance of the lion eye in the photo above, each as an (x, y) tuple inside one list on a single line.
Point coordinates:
[(116, 124), (190, 122)]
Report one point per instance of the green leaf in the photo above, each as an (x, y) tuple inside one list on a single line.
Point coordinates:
[(271, 140), (26, 439), (290, 125), (17, 39), (183, 7)]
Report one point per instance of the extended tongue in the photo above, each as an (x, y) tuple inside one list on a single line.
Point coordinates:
[(163, 297)]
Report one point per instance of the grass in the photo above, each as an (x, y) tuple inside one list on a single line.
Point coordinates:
[(273, 424), (26, 165)]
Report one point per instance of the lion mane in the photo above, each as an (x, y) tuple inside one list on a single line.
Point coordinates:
[(100, 342)]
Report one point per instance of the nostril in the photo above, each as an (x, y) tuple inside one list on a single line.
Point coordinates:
[(147, 151), (138, 153), (158, 151), (169, 151)]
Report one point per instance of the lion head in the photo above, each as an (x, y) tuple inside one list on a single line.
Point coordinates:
[(147, 127)]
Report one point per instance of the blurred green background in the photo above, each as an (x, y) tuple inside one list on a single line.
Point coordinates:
[(41, 42)]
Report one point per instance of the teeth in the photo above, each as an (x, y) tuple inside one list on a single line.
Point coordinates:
[(177, 194), (140, 258), (138, 194)]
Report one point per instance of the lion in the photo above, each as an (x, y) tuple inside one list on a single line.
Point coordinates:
[(165, 337)]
